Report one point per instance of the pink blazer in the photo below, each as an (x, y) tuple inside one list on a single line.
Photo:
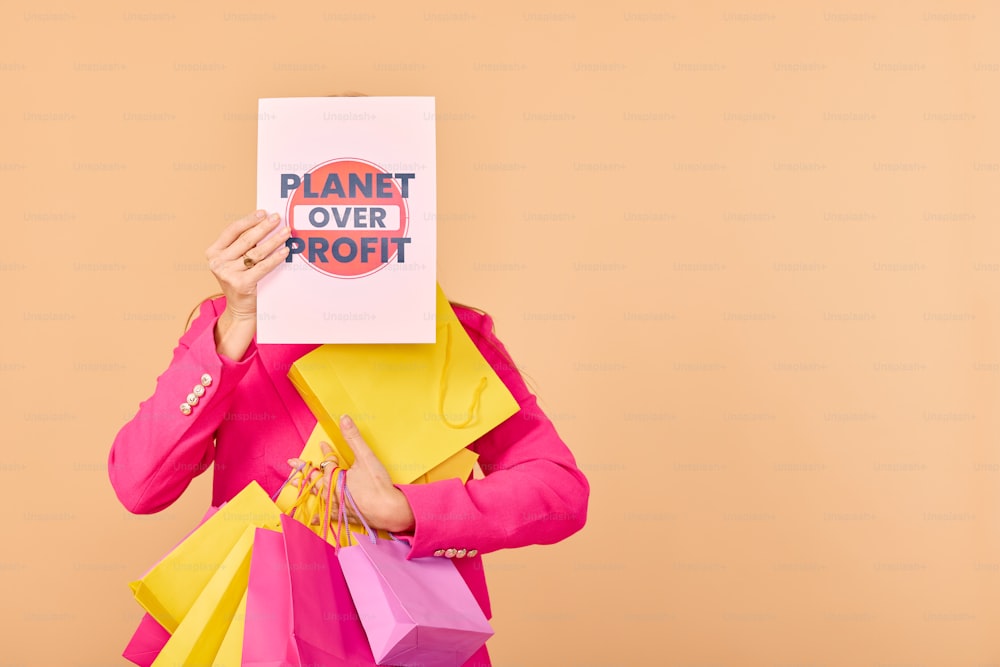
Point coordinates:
[(250, 419)]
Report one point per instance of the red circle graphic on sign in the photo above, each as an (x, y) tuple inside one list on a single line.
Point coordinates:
[(351, 217)]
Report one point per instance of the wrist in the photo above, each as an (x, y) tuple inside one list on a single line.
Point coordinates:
[(398, 515), (234, 332), (238, 314)]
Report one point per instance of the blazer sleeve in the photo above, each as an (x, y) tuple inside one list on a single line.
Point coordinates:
[(155, 456), (532, 491)]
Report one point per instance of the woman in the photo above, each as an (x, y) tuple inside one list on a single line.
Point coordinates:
[(226, 400)]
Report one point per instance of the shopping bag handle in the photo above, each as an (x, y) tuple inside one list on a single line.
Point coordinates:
[(346, 498), (288, 480), (302, 499), (335, 476), (473, 411)]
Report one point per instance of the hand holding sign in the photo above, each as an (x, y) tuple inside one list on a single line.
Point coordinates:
[(239, 258)]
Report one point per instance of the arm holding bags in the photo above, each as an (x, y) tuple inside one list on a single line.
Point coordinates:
[(533, 492), (418, 405)]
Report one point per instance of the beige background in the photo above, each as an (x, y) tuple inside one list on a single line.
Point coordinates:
[(746, 253)]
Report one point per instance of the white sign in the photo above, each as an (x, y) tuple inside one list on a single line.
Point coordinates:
[(354, 179)]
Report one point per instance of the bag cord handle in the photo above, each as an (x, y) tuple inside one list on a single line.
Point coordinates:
[(345, 497), (335, 476), (305, 472), (288, 480)]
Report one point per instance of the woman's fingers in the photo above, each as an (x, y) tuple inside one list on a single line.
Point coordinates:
[(378, 501), (273, 242), (315, 488), (272, 260), (233, 231), (313, 475), (249, 238), (322, 474)]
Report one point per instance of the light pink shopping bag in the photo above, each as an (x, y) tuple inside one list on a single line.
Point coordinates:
[(415, 612)]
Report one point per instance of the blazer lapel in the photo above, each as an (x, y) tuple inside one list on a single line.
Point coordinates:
[(276, 360)]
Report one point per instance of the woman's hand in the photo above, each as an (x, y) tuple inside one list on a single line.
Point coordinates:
[(382, 504), (238, 259)]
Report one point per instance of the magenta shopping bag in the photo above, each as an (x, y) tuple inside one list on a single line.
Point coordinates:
[(299, 611), (146, 643), (268, 620), (415, 612)]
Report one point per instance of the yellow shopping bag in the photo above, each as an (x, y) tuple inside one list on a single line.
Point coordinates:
[(206, 625), (458, 466), (416, 405), (231, 651), (171, 587)]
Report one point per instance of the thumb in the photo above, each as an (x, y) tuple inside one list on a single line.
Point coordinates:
[(362, 452)]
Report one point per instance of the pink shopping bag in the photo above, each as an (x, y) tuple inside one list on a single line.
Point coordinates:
[(415, 612), (147, 642), (299, 611)]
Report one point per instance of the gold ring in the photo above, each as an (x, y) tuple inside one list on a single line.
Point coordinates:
[(247, 262), (324, 464)]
